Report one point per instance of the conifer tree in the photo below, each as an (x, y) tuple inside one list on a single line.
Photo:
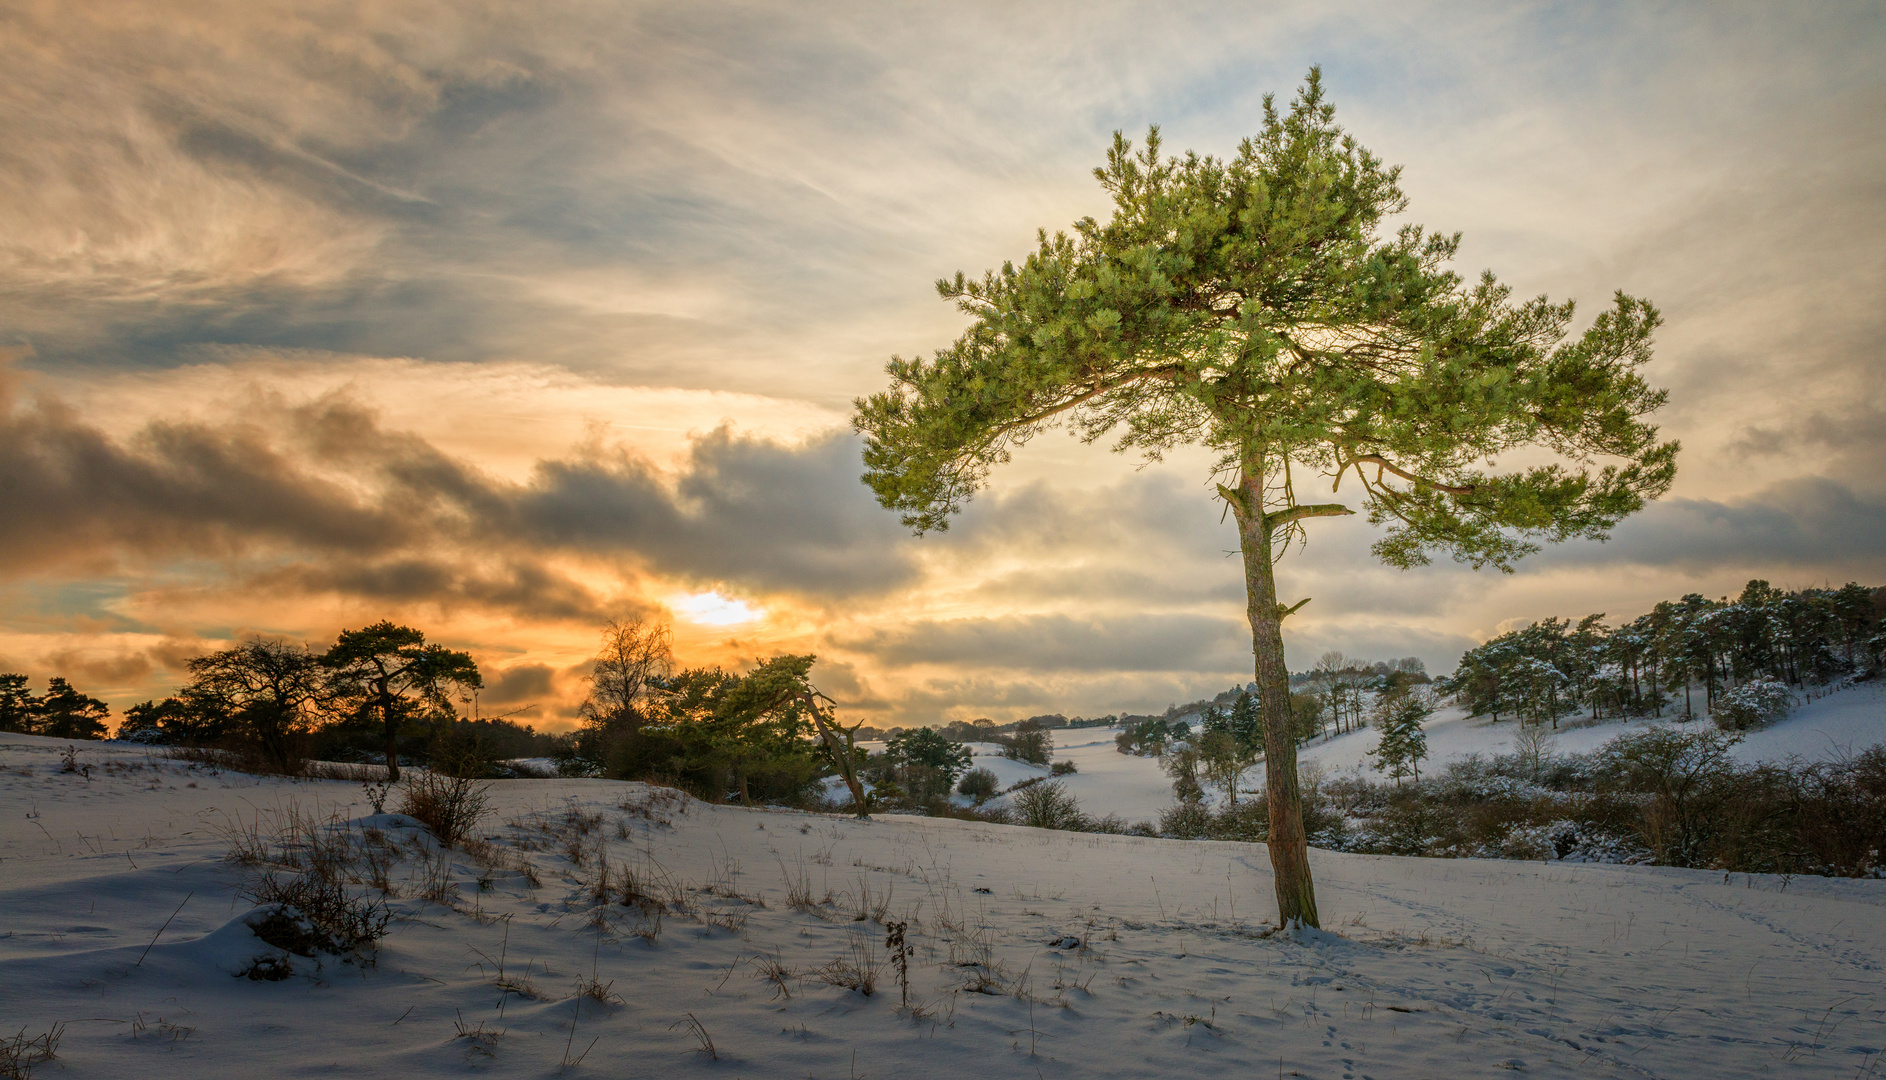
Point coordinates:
[(388, 670), (19, 706), (64, 713), (1253, 306)]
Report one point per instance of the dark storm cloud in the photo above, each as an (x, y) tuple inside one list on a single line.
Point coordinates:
[(519, 684), (1806, 523), (521, 588), (788, 519), (74, 494), (364, 511)]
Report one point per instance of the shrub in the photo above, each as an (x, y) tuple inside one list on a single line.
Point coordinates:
[(979, 784), (447, 805), (886, 793), (1688, 779), (1062, 768), (1841, 816), (1752, 705), (1031, 743), (1049, 806), (315, 914), (1188, 819)]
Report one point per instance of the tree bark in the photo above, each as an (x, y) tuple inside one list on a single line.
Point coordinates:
[(841, 751), (1288, 846), (392, 736)]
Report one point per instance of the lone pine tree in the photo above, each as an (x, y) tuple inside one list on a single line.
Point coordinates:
[(1253, 306)]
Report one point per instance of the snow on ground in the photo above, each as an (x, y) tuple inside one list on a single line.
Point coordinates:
[(1102, 956), (1106, 781), (1837, 725), (1842, 723), (1110, 782)]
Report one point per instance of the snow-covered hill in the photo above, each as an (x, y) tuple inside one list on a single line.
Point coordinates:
[(1135, 788), (1036, 954)]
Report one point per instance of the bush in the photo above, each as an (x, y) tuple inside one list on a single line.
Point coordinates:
[(979, 784), (1841, 816), (1665, 795), (1753, 705), (314, 914), (1688, 779), (447, 805), (1030, 743), (1188, 819), (1049, 806), (1062, 768)]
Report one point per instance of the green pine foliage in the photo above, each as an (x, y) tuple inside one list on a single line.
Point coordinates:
[(926, 762), (1254, 306), (1399, 715), (64, 713), (1685, 655)]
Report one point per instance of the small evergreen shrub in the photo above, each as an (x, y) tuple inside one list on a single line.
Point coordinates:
[(979, 784)]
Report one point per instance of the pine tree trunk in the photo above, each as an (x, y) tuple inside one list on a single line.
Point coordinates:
[(387, 718), (1289, 849)]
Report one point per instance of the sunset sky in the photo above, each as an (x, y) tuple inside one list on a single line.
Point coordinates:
[(506, 319)]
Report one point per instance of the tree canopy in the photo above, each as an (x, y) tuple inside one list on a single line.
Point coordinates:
[(269, 687), (1254, 306), (390, 670)]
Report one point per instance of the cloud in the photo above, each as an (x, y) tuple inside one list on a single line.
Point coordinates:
[(357, 509), (759, 514), (631, 199), (84, 669), (517, 684), (1808, 522), (1189, 643)]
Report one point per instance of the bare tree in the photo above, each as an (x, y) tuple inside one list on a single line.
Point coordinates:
[(1329, 683), (270, 687), (634, 652)]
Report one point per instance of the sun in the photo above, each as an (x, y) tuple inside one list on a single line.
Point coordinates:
[(713, 609)]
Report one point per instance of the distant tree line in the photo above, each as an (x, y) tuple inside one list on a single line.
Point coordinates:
[(61, 712), (983, 729), (379, 694), (1681, 650)]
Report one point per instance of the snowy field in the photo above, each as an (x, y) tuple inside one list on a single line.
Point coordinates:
[(1036, 954), (1135, 788), (1838, 725)]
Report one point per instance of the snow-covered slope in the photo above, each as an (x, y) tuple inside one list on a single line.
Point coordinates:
[(1836, 725), (1109, 782), (1036, 954)]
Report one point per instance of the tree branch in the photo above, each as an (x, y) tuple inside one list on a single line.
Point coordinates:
[(1151, 373), (1384, 463), (1273, 522)]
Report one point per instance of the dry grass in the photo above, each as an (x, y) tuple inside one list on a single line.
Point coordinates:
[(482, 1043), (869, 907), (704, 1043), (597, 991), (734, 922), (449, 806), (19, 1055), (432, 880), (345, 771), (857, 969), (656, 805), (774, 970)]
